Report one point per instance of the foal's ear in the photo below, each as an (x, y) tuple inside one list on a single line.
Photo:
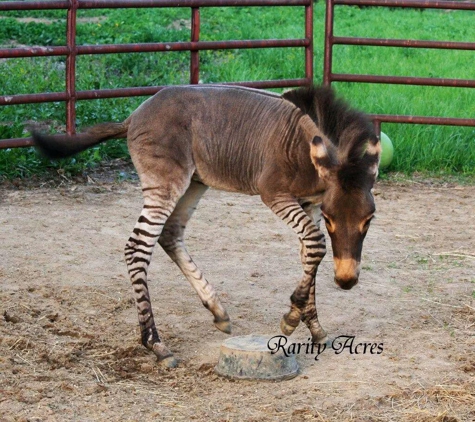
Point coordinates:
[(372, 154), (321, 157)]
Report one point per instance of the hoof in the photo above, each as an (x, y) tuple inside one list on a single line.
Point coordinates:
[(169, 362), (224, 326), (286, 328), (164, 356), (323, 339)]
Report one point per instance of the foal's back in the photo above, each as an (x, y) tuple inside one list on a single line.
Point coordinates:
[(227, 136)]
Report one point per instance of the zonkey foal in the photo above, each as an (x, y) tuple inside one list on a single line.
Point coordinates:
[(306, 153)]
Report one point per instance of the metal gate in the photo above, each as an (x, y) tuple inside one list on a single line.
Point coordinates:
[(70, 96), (71, 50), (331, 40)]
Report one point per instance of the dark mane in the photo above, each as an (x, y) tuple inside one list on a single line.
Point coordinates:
[(346, 127)]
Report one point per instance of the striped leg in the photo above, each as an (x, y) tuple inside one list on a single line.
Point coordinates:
[(172, 242), (158, 206), (312, 251), (309, 314)]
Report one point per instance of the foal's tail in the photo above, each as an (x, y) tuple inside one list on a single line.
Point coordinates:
[(62, 146)]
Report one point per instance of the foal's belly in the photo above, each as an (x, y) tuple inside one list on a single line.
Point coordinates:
[(225, 184)]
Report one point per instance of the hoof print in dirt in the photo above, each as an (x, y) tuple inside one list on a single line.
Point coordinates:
[(11, 318)]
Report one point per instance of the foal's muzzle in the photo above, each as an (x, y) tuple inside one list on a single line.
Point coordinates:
[(347, 272), (346, 283)]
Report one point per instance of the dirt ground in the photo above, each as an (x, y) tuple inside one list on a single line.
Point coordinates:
[(69, 345)]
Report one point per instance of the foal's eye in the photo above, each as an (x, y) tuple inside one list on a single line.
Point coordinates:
[(366, 223), (328, 223)]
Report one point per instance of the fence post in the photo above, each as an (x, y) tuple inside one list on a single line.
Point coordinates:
[(194, 54), (377, 127), (309, 37), (71, 68), (327, 60)]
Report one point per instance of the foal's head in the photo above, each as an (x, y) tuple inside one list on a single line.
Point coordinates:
[(348, 204), (348, 166)]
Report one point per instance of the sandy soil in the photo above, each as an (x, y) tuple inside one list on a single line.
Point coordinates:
[(69, 345)]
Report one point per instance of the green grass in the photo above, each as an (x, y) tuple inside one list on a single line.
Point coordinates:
[(434, 150)]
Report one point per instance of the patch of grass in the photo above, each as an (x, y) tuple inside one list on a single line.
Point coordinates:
[(31, 33), (48, 76), (434, 151), (422, 260)]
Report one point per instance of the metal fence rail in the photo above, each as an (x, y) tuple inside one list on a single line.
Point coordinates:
[(331, 40), (71, 50)]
